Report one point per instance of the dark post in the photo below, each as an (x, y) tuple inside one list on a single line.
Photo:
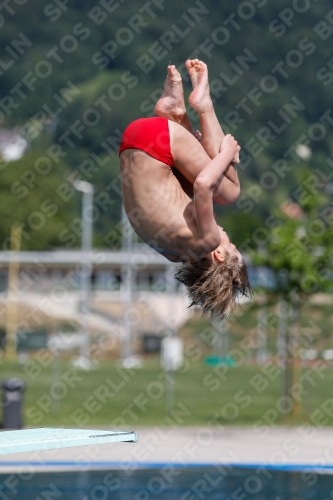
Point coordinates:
[(12, 391)]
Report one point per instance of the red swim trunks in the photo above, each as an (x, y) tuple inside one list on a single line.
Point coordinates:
[(152, 136)]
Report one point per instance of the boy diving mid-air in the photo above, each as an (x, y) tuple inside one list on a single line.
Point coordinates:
[(170, 178)]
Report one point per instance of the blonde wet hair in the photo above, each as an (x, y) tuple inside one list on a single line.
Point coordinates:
[(215, 286)]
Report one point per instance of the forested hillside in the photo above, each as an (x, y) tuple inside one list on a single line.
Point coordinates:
[(74, 74)]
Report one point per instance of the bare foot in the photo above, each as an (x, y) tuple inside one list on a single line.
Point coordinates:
[(171, 105), (200, 97)]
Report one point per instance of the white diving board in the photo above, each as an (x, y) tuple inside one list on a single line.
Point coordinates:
[(50, 438)]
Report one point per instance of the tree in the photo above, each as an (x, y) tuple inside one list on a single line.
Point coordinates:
[(89, 70), (300, 252), (30, 198)]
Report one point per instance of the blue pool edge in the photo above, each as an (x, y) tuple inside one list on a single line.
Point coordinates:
[(319, 469)]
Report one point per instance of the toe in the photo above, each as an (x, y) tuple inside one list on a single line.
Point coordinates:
[(174, 73)]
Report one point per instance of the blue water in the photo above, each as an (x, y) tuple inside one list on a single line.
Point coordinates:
[(209, 483)]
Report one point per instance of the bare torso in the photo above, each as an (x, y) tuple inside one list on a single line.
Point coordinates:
[(160, 212)]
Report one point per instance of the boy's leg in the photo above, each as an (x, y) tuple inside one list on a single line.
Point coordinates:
[(171, 105), (200, 100), (190, 157)]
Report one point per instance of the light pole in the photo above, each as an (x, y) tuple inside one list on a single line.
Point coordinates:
[(126, 284), (262, 353), (87, 189), (170, 289), (13, 286)]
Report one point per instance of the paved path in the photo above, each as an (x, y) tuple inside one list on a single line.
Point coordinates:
[(188, 446)]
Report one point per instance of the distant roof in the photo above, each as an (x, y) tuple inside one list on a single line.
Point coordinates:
[(99, 258)]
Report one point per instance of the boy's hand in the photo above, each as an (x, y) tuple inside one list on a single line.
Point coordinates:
[(229, 143)]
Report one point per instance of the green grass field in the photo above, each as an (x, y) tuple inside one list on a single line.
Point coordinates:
[(113, 396)]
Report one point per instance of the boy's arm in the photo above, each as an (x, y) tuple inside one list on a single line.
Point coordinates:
[(231, 173), (229, 189), (205, 187), (207, 230)]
